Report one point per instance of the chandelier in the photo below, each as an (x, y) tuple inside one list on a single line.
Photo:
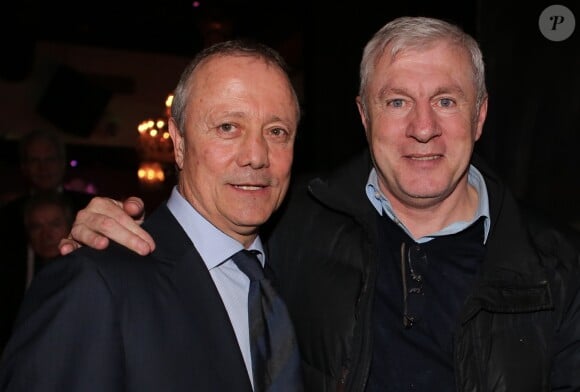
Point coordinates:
[(155, 148)]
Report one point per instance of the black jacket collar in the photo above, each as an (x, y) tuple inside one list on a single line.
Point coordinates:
[(511, 258)]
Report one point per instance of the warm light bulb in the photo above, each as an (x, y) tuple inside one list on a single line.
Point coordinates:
[(169, 100)]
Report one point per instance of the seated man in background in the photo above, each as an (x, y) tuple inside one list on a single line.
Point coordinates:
[(47, 218)]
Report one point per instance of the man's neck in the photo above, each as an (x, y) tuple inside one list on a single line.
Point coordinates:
[(429, 218)]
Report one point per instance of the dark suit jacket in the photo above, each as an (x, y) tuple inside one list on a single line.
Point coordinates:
[(115, 321), (13, 257)]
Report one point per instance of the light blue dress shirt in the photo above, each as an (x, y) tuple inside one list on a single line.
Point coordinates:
[(475, 179), (216, 250)]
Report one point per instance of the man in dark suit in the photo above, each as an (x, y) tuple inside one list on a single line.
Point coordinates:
[(43, 166), (176, 319)]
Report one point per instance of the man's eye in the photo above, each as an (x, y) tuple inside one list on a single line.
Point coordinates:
[(396, 103), (446, 102), (278, 132), (226, 127)]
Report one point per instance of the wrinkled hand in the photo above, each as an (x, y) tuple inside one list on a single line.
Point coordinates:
[(105, 219)]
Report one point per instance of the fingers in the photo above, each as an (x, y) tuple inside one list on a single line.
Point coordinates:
[(67, 245), (105, 219), (135, 207), (91, 239)]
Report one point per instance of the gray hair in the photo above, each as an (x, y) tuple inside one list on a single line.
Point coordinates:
[(226, 48), (416, 32)]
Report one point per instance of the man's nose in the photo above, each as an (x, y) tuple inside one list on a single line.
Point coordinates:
[(254, 150), (424, 124)]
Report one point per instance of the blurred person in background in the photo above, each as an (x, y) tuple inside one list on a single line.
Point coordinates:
[(43, 166), (47, 218)]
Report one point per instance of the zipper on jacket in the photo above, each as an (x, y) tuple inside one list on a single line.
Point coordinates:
[(364, 319), (342, 380)]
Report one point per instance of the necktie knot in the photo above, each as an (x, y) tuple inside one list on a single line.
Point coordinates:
[(248, 263)]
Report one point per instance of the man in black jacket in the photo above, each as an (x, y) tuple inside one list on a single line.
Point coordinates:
[(412, 267)]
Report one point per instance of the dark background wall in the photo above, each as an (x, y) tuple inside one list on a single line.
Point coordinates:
[(532, 132)]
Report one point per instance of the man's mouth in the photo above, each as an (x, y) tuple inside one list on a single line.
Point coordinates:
[(424, 157), (249, 187)]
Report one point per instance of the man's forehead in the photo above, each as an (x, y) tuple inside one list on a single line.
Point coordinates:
[(396, 49)]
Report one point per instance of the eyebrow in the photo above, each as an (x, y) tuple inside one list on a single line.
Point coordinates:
[(441, 90), (384, 91), (242, 114), (230, 113), (450, 90)]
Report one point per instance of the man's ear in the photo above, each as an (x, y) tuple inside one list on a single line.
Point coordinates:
[(481, 116), (362, 114), (178, 143)]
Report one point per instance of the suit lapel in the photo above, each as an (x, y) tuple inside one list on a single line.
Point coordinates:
[(197, 293)]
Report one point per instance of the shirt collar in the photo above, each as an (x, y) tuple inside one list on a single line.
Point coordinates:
[(475, 179)]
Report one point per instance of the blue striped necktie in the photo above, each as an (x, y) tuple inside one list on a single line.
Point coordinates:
[(275, 356)]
